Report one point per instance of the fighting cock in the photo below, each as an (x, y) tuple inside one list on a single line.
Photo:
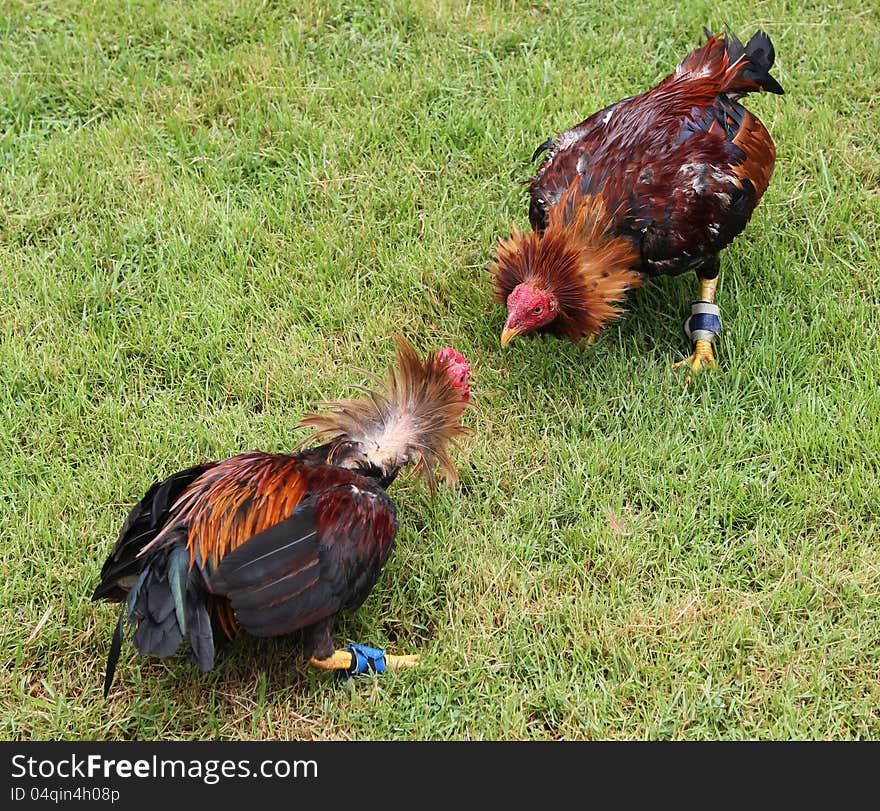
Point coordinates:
[(275, 543), (655, 184)]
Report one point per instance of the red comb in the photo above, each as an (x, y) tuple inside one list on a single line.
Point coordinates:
[(459, 370)]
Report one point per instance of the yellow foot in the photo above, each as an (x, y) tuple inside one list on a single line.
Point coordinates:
[(587, 341), (342, 660), (703, 357)]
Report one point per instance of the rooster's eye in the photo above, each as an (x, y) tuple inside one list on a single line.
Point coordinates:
[(538, 310)]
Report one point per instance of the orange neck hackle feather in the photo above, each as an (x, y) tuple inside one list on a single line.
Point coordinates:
[(577, 259), (413, 418)]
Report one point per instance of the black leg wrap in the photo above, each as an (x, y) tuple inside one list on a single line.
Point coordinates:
[(704, 323)]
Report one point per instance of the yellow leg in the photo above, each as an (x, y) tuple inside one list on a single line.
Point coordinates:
[(703, 355), (393, 662), (342, 660), (707, 289), (587, 341), (338, 660)]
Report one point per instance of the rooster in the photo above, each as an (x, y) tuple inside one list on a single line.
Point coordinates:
[(655, 184), (275, 543)]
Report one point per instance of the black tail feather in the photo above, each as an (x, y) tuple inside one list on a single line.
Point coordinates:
[(145, 520), (542, 148), (171, 604), (199, 631), (158, 638), (159, 592), (760, 56)]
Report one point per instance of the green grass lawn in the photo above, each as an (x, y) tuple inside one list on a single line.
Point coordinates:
[(216, 214)]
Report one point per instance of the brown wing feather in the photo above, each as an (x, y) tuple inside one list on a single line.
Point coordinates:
[(234, 500), (754, 140), (323, 559)]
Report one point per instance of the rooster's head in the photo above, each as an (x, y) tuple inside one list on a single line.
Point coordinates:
[(413, 417), (529, 307), (570, 279)]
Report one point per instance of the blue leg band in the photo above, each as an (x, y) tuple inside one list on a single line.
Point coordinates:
[(704, 323), (365, 659)]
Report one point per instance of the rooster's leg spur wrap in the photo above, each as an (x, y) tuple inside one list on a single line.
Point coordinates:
[(365, 659), (702, 327), (704, 323), (357, 659)]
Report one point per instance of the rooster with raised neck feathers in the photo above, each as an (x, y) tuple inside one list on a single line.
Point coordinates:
[(658, 183), (276, 543)]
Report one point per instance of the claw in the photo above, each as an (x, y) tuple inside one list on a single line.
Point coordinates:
[(703, 357)]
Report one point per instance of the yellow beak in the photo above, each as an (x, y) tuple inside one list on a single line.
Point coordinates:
[(508, 334)]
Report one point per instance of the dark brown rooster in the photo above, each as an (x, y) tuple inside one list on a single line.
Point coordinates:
[(655, 184), (273, 543)]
